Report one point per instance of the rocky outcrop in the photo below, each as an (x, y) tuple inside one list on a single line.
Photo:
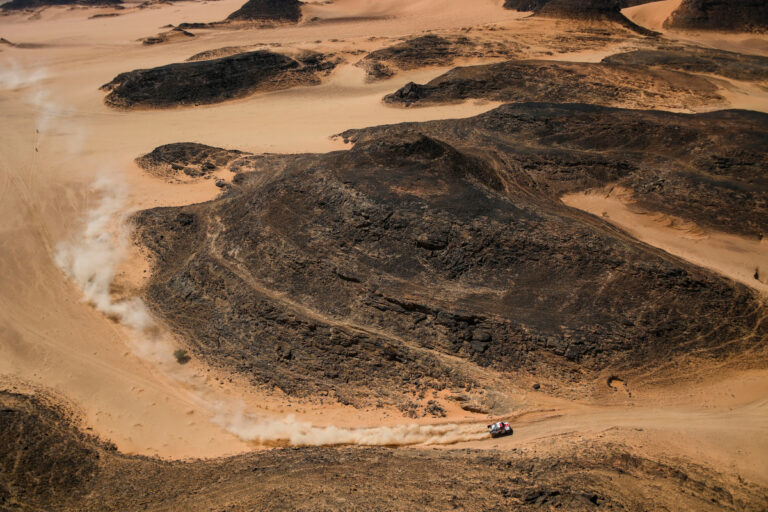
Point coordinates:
[(566, 82), (533, 5), (584, 10), (285, 11), (707, 168), (429, 50), (727, 15), (430, 249), (697, 60), (187, 160), (172, 35), (214, 81)]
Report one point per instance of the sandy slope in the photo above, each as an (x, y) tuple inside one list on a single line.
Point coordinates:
[(730, 255), (50, 338)]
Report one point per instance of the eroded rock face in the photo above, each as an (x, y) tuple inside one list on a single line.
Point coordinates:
[(585, 10), (268, 10), (730, 15), (189, 159), (533, 5), (214, 81), (698, 60), (407, 261), (707, 168), (567, 82), (429, 50)]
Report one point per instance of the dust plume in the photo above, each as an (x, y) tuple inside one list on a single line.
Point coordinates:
[(13, 76), (91, 259), (296, 433)]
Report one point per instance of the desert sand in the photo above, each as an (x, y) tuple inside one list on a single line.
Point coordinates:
[(64, 154)]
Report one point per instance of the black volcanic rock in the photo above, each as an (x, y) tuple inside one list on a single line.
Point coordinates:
[(429, 50), (584, 10), (533, 5), (707, 168), (432, 248), (268, 10), (698, 60), (187, 158), (17, 5), (566, 82), (727, 15), (214, 81), (524, 5)]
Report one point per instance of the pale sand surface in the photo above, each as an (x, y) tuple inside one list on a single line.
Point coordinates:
[(652, 15), (50, 338), (733, 256)]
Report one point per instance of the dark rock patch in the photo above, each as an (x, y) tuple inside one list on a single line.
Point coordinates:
[(447, 238), (727, 15), (706, 168), (186, 158), (567, 82), (582, 10), (698, 60), (175, 34), (429, 50), (287, 11), (214, 81)]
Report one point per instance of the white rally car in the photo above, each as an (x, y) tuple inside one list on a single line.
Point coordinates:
[(500, 429)]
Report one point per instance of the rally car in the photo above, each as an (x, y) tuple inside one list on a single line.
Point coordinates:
[(500, 429)]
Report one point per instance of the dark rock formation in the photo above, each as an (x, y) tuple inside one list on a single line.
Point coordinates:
[(288, 11), (585, 10), (534, 5), (214, 81), (17, 5), (698, 60), (218, 53), (728, 15), (707, 168), (188, 158), (567, 82), (47, 464), (174, 34), (429, 50), (406, 261)]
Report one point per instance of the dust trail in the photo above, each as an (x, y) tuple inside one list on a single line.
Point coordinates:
[(296, 433), (91, 259), (13, 76), (49, 113)]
